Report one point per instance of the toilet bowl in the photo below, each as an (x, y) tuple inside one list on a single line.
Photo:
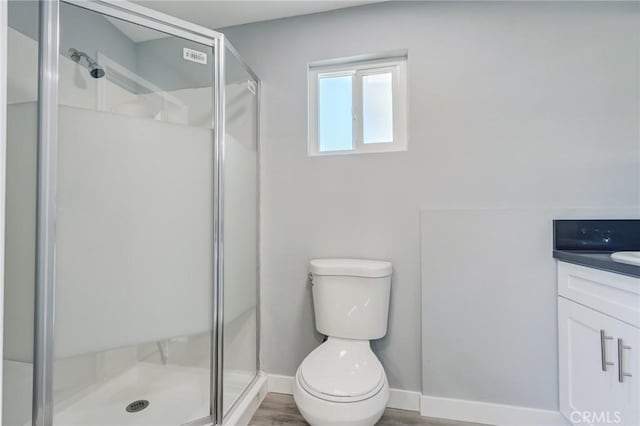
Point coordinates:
[(342, 382)]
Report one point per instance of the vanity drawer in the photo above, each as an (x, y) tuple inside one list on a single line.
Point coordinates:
[(613, 294)]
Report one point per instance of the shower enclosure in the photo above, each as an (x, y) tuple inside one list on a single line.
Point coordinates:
[(131, 281)]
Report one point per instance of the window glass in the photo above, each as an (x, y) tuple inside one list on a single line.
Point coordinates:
[(357, 106), (377, 108), (335, 116)]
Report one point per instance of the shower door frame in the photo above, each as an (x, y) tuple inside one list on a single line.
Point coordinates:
[(48, 77), (4, 44)]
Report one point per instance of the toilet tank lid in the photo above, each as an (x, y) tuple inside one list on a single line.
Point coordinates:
[(351, 267)]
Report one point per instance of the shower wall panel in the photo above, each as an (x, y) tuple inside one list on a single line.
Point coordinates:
[(135, 200)]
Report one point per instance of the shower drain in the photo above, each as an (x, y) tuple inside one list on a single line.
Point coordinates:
[(138, 405)]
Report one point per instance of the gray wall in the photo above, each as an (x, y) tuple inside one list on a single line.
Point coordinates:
[(511, 105), (489, 327)]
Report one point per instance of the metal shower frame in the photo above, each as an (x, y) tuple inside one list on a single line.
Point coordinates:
[(48, 75)]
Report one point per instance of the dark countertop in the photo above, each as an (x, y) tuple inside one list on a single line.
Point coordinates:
[(597, 260)]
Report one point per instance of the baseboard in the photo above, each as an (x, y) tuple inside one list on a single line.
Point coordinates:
[(280, 384), (453, 409), (402, 399), (246, 408), (488, 413)]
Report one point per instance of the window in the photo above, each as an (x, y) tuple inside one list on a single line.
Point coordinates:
[(358, 106)]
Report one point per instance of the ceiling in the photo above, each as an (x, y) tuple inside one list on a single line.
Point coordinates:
[(224, 13)]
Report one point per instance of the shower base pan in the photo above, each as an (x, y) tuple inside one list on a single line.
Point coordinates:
[(175, 395)]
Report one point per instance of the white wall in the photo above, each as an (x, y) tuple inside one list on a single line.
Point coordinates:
[(512, 105)]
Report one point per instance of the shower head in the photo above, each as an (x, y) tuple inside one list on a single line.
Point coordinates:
[(95, 70)]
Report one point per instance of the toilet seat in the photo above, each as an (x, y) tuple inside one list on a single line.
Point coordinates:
[(342, 370)]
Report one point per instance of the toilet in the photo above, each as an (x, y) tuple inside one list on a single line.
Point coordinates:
[(342, 382)]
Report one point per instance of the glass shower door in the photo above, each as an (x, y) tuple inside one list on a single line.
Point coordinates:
[(132, 219), (134, 259), (240, 229), (20, 219)]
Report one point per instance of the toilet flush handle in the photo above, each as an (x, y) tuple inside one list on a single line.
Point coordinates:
[(310, 277)]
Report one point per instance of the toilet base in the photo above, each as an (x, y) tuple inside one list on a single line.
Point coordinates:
[(319, 412)]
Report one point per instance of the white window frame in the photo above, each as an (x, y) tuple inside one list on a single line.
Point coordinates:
[(358, 70)]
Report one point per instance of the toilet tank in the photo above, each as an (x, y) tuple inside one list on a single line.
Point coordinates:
[(351, 297)]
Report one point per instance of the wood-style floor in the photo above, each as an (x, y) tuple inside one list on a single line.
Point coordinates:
[(278, 409)]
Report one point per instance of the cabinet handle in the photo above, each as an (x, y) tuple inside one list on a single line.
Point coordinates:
[(621, 373), (603, 350)]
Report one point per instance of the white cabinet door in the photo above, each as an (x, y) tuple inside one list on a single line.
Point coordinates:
[(591, 390), (627, 398)]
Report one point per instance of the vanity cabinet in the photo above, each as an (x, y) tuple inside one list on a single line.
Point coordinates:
[(599, 346)]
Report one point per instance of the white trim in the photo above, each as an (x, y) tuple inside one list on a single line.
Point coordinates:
[(280, 384), (401, 399), (404, 400), (3, 152), (368, 57), (246, 408), (488, 413)]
